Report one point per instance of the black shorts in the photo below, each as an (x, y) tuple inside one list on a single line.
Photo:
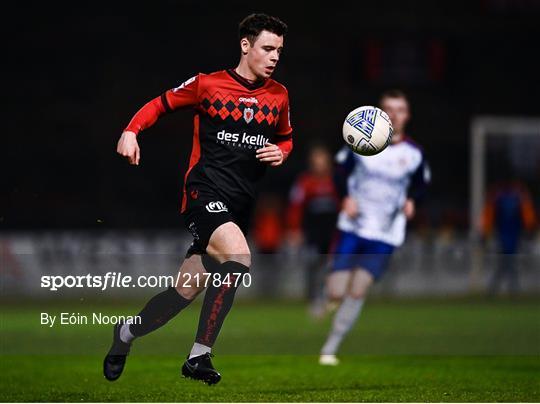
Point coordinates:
[(206, 211)]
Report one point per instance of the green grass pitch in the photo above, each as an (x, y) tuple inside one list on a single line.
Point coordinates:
[(400, 350)]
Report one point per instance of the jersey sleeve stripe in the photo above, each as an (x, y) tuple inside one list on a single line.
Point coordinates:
[(288, 133), (165, 102), (283, 138)]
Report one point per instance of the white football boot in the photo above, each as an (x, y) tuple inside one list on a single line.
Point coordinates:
[(328, 360)]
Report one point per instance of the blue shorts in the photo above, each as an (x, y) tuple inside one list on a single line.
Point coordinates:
[(353, 252)]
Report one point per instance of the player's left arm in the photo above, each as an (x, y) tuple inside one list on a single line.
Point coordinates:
[(343, 168), (417, 191), (276, 154)]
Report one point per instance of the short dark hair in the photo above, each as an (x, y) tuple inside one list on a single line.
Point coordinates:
[(393, 93), (252, 26)]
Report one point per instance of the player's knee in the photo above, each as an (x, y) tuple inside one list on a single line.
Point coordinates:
[(359, 291), (232, 251), (243, 257), (358, 294), (188, 293), (335, 295), (228, 243)]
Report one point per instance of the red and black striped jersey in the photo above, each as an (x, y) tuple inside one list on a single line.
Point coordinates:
[(233, 118)]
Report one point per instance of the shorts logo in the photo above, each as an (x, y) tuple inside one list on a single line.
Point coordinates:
[(216, 207), (248, 114), (194, 194), (193, 230)]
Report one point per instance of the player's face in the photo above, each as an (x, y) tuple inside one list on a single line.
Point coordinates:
[(398, 111), (262, 57), (320, 162)]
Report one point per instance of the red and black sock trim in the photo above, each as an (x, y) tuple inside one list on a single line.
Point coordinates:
[(158, 311), (218, 301)]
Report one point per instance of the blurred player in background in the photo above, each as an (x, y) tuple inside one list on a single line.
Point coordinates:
[(268, 235), (379, 195), (241, 126), (311, 220), (509, 213)]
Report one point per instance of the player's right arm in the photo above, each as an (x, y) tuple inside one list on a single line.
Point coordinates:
[(185, 95), (417, 189), (344, 166)]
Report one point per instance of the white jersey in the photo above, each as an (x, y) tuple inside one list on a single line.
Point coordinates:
[(380, 185)]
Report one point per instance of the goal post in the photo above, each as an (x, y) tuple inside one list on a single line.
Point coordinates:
[(499, 146), (483, 130)]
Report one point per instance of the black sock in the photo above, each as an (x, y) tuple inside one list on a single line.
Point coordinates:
[(218, 301), (158, 311)]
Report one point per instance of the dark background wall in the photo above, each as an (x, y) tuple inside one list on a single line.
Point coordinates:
[(73, 77)]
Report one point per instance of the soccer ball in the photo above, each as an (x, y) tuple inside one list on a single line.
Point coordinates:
[(367, 130)]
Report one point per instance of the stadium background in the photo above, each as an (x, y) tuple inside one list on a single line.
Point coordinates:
[(70, 205), (76, 76)]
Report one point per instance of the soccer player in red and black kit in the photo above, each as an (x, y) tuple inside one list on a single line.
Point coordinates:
[(311, 219), (241, 126)]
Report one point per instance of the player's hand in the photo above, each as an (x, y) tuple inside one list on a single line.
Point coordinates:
[(270, 154), (129, 148), (350, 207), (409, 209)]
